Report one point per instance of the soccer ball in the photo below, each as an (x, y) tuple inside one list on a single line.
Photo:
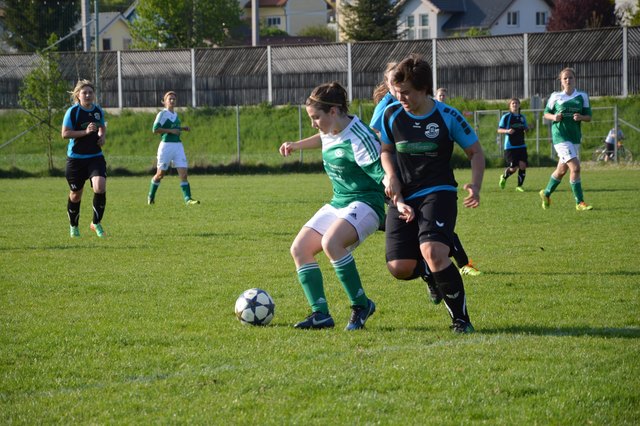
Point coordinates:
[(255, 307)]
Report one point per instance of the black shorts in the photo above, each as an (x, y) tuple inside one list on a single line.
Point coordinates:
[(80, 169), (435, 220), (514, 156)]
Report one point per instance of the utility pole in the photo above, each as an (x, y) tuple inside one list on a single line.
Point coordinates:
[(86, 36), (255, 23)]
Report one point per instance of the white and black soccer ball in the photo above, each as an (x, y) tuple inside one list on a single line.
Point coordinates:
[(255, 307)]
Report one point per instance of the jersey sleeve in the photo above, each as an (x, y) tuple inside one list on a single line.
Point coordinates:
[(157, 123), (378, 112), (504, 121), (460, 130), (550, 107), (66, 121), (586, 105), (387, 121), (101, 115)]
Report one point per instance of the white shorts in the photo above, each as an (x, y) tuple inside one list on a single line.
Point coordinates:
[(566, 151), (171, 153), (363, 218)]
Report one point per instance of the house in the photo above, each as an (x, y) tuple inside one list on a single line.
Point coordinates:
[(114, 33), (425, 19), (290, 16)]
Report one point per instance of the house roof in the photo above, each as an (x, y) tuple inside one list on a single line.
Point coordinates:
[(267, 3), (474, 13), (478, 14)]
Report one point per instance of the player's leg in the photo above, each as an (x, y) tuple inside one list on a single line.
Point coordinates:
[(576, 184), (436, 242), (163, 162), (98, 173), (305, 246), (76, 177), (180, 162), (563, 152), (463, 262), (354, 224)]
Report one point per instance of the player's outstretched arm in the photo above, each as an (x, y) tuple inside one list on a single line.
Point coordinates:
[(476, 157), (311, 142)]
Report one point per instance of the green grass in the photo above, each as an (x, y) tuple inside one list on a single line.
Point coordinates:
[(139, 328), (213, 141)]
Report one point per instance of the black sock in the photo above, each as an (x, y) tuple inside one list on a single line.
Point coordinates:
[(521, 175), (450, 284), (507, 173), (99, 203), (73, 211), (458, 253)]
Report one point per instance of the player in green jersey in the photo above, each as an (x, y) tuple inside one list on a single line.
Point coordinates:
[(351, 158), (567, 109), (170, 150)]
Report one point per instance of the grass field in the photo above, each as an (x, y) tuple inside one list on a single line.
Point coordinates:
[(139, 328)]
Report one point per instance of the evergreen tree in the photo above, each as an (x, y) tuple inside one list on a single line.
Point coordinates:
[(371, 19), (28, 24)]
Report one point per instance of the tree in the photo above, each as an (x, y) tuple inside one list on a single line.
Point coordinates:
[(628, 12), (371, 19), (183, 24), (28, 24), (319, 31), (42, 96), (579, 14)]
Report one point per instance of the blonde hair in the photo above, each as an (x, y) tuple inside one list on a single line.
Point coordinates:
[(164, 98), (567, 69), (381, 89), (75, 93)]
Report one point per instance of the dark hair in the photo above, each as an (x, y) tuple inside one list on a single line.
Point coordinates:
[(415, 70), (329, 95)]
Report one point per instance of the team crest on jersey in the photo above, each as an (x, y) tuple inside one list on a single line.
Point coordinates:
[(339, 153), (96, 115), (432, 131)]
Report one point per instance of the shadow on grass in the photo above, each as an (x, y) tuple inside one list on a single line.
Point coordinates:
[(627, 333), (555, 274)]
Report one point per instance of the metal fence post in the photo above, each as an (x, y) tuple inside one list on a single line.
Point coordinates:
[(193, 78), (238, 134)]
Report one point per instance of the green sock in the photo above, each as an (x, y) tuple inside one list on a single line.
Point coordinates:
[(310, 279), (348, 275), (153, 188), (186, 190), (576, 188), (551, 186)]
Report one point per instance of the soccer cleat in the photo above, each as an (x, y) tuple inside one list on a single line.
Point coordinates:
[(519, 189), (359, 315), (74, 232), (546, 201), (582, 206), (502, 182), (462, 327), (150, 200), (316, 320), (191, 202), (434, 293), (470, 269), (97, 228)]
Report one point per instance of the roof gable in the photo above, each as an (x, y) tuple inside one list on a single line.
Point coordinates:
[(478, 14)]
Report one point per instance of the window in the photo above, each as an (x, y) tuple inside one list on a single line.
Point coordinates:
[(541, 18), (273, 21), (424, 26), (411, 32), (513, 19), (106, 44)]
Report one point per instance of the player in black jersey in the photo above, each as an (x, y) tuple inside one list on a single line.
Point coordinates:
[(84, 126), (421, 132)]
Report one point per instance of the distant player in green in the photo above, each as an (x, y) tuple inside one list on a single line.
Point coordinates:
[(351, 158), (171, 150), (514, 125), (83, 124), (567, 109)]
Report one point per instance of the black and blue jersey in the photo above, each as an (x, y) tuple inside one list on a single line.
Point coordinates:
[(424, 145), (78, 118)]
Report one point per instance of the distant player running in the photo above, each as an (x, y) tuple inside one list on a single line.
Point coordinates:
[(567, 109), (514, 125), (170, 150), (351, 158), (84, 126)]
